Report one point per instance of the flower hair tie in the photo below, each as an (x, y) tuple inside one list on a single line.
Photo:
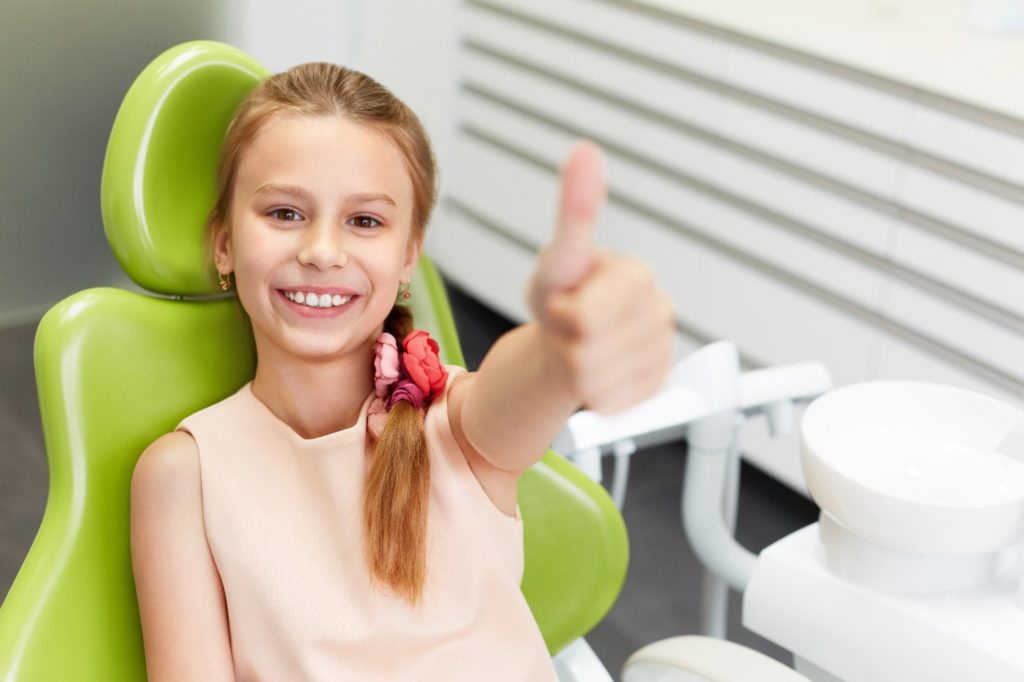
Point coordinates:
[(414, 374)]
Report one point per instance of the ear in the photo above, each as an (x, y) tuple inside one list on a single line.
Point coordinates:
[(223, 256), (412, 256)]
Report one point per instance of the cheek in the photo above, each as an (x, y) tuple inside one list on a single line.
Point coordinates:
[(249, 276), (256, 255), (253, 267), (385, 278), (386, 288), (385, 263)]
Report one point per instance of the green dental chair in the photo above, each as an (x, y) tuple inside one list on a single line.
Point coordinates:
[(116, 369)]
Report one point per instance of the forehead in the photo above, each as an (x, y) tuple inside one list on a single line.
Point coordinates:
[(327, 155)]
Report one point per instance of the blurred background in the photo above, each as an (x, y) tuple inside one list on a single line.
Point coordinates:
[(839, 181)]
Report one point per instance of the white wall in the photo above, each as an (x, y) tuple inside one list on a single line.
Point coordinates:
[(411, 48), (282, 34)]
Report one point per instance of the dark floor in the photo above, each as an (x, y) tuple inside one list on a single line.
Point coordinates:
[(662, 591)]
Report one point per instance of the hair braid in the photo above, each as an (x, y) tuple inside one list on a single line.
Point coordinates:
[(397, 490)]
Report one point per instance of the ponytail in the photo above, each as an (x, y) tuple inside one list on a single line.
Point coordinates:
[(396, 492)]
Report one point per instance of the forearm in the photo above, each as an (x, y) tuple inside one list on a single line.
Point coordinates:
[(519, 399)]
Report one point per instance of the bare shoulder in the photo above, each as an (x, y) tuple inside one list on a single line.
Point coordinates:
[(167, 474), (181, 598), (500, 485), (172, 459)]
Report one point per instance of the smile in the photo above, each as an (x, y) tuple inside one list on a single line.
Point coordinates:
[(313, 300)]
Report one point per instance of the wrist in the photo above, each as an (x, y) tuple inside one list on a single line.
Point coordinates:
[(554, 366)]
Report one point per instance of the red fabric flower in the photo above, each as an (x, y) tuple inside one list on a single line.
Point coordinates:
[(422, 363)]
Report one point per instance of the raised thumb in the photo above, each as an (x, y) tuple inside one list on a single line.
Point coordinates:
[(570, 254)]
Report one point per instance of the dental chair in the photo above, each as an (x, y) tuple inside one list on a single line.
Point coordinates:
[(116, 369)]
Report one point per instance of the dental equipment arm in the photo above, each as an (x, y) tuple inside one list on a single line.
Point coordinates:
[(707, 465), (774, 391), (711, 659), (706, 399), (666, 417)]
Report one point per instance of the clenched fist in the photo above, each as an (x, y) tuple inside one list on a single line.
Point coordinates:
[(603, 317)]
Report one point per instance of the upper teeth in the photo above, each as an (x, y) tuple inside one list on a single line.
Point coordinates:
[(317, 300)]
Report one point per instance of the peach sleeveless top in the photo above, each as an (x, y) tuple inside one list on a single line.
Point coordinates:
[(283, 519)]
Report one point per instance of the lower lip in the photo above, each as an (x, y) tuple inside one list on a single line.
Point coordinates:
[(306, 311)]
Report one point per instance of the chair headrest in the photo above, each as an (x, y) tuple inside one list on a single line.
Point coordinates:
[(159, 175)]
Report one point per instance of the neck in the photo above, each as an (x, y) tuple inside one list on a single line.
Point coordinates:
[(314, 397)]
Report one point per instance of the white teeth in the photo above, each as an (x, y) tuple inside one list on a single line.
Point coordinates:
[(317, 300)]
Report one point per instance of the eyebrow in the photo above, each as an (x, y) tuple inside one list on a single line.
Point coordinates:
[(359, 197), (284, 189)]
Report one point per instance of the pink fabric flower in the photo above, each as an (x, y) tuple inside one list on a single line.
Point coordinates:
[(385, 364), (422, 363), (376, 417), (408, 391)]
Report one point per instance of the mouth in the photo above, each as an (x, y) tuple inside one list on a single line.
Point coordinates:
[(317, 303)]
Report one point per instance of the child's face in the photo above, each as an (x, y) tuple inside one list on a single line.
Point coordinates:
[(319, 202)]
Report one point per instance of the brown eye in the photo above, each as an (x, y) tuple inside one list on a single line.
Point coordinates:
[(365, 221), (285, 214)]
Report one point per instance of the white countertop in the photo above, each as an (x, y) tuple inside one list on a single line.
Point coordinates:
[(927, 44)]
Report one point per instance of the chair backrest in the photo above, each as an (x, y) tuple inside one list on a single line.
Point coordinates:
[(116, 369)]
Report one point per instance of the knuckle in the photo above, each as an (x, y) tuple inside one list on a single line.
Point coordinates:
[(643, 276), (592, 323), (561, 317), (579, 323), (633, 273), (575, 325)]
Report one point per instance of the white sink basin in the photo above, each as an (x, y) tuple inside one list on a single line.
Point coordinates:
[(917, 467)]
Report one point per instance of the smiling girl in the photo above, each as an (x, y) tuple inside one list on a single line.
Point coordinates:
[(350, 513)]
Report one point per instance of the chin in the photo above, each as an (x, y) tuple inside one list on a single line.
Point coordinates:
[(320, 349), (310, 346)]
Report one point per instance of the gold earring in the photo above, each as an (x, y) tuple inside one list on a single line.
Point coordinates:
[(404, 292), (225, 281)]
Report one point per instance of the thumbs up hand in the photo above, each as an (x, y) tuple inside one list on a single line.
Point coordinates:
[(602, 316)]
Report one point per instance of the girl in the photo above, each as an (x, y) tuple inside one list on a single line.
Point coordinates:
[(350, 513)]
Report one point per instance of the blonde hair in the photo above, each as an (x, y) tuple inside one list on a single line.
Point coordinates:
[(398, 480)]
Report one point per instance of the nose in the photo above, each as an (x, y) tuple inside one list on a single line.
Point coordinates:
[(323, 246)]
